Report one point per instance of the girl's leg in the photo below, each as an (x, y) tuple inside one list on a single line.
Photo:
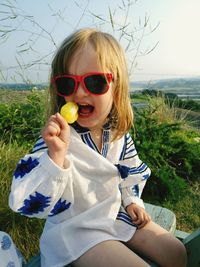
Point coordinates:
[(159, 245), (110, 254)]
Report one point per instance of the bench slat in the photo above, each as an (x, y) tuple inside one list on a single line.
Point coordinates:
[(162, 216), (192, 245)]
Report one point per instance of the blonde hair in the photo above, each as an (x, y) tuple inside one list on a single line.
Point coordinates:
[(111, 57)]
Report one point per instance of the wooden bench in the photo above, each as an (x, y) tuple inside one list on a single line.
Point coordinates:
[(192, 245), (162, 216), (167, 219)]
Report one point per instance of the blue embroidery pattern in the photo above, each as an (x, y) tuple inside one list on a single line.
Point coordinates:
[(40, 145), (25, 166), (136, 190), (6, 242), (123, 170), (125, 218), (87, 139), (128, 150), (146, 176), (35, 204), (59, 207)]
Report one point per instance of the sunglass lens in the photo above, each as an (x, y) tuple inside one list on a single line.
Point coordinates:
[(96, 84), (65, 85)]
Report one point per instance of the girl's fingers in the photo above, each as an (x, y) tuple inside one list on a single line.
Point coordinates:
[(133, 215), (52, 128), (142, 218), (139, 219), (141, 223), (139, 216), (61, 121), (58, 122)]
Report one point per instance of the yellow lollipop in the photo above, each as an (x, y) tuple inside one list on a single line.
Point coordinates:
[(70, 112)]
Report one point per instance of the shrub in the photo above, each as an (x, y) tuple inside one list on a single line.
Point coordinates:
[(171, 151), (22, 121)]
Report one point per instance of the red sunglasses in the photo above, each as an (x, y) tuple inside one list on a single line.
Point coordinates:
[(95, 83)]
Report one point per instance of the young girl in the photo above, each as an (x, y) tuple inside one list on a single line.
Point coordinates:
[(86, 179)]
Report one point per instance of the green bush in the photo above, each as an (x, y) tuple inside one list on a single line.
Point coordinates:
[(22, 121), (171, 151), (189, 104)]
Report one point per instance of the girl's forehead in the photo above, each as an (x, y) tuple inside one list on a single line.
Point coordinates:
[(84, 60), (80, 51), (88, 58)]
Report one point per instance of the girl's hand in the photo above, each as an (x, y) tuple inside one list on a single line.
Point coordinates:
[(139, 216), (56, 135)]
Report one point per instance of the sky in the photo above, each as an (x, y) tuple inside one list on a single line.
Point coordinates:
[(167, 46)]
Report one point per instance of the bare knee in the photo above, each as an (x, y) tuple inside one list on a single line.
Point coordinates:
[(179, 253), (173, 255), (159, 245)]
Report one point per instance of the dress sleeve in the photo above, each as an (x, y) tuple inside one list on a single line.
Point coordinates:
[(134, 173), (39, 187)]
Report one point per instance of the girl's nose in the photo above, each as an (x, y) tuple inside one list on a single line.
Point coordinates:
[(81, 92)]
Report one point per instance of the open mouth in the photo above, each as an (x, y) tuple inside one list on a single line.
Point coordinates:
[(85, 110)]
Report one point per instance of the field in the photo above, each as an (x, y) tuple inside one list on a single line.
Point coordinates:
[(11, 96), (164, 140)]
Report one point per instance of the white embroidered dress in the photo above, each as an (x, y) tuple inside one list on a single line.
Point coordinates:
[(83, 204)]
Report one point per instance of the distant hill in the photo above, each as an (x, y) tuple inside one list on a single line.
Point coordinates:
[(183, 88), (180, 82)]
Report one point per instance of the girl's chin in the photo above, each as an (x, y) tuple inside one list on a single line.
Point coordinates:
[(87, 123)]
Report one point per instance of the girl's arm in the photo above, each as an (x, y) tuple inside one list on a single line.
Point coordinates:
[(38, 184), (134, 174), (42, 176), (132, 194)]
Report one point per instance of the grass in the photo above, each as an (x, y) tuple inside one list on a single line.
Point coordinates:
[(185, 208)]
